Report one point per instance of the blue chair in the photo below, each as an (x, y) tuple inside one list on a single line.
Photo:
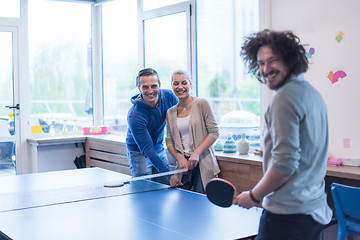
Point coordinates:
[(347, 207)]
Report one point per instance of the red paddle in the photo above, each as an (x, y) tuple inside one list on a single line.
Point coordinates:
[(220, 192)]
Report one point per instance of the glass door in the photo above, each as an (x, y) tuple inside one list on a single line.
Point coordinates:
[(166, 39), (165, 43), (9, 107)]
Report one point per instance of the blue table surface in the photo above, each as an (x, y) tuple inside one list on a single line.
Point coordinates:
[(158, 213)]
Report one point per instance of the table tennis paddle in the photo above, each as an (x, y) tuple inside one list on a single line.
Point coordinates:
[(220, 192), (121, 183)]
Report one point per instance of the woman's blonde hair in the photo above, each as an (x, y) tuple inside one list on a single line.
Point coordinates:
[(180, 72)]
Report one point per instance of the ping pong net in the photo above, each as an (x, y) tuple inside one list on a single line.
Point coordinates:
[(32, 199)]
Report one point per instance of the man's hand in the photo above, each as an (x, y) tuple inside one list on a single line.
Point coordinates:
[(174, 181), (244, 200), (267, 184)]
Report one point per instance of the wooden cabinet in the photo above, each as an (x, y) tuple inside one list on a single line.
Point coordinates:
[(107, 152), (347, 175), (244, 171)]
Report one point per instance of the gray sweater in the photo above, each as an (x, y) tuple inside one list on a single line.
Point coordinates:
[(296, 144), (202, 124)]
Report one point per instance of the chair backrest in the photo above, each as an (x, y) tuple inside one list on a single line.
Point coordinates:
[(346, 200)]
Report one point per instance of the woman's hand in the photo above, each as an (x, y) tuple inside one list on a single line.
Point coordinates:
[(183, 163), (193, 160)]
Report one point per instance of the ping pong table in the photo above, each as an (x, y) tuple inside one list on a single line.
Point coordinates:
[(74, 204)]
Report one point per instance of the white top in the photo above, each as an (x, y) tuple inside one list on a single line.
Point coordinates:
[(322, 215), (183, 125)]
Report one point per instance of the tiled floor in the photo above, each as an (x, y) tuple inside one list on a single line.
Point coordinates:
[(330, 233)]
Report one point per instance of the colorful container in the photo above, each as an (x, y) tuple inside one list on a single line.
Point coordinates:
[(230, 145), (95, 130)]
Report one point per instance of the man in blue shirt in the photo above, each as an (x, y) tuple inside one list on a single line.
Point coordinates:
[(146, 123)]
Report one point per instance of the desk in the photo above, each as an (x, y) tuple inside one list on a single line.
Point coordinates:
[(159, 212)]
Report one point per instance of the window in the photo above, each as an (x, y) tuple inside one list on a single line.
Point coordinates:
[(164, 49), (153, 4), (6, 73), (7, 116), (120, 61), (60, 66), (222, 79), (165, 43), (10, 9)]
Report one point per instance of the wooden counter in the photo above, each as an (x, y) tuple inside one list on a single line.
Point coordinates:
[(231, 161), (109, 152), (348, 172), (244, 171)]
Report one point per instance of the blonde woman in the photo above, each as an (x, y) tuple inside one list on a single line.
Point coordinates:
[(191, 132)]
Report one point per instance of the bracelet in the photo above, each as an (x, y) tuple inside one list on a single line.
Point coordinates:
[(252, 197)]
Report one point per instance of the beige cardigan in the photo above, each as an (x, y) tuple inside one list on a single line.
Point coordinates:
[(202, 124)]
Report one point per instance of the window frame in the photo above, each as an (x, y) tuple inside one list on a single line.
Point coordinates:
[(21, 24), (189, 8)]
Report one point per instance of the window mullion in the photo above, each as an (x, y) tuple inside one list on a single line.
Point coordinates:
[(97, 71)]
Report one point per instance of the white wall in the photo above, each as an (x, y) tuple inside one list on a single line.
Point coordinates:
[(317, 23)]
